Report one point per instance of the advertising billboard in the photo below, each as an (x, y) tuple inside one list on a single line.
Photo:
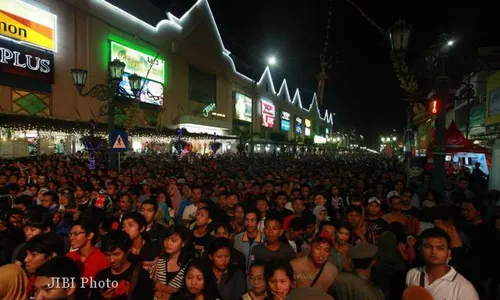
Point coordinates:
[(28, 24), (243, 107), (268, 114), (298, 125), (308, 127), (27, 62), (138, 62), (151, 93), (285, 121)]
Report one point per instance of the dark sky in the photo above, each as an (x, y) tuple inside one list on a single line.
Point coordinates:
[(362, 90)]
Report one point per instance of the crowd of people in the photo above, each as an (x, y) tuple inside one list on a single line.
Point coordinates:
[(253, 228)]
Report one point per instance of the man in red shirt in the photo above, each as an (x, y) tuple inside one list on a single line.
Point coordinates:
[(83, 237)]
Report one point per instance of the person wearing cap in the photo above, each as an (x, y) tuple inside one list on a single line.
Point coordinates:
[(314, 270), (375, 224), (357, 285)]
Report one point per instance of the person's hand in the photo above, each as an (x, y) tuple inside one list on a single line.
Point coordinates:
[(278, 296), (108, 294)]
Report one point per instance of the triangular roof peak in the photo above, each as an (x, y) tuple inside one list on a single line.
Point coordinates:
[(267, 77), (284, 89), (296, 99)]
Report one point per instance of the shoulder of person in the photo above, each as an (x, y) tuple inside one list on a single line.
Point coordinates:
[(413, 274)]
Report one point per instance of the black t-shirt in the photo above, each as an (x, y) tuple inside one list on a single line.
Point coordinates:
[(201, 244), (144, 288), (281, 214), (148, 253), (285, 252), (374, 230)]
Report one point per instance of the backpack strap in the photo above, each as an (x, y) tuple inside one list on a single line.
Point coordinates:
[(133, 283), (318, 275)]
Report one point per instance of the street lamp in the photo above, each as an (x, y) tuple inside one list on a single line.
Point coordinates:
[(111, 93), (394, 138), (399, 35), (382, 139)]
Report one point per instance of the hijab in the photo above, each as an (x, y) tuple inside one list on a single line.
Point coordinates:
[(175, 198), (14, 283)]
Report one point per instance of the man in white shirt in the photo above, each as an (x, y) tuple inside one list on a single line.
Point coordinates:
[(437, 277)]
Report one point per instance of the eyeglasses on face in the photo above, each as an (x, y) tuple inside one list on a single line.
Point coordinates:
[(75, 233)]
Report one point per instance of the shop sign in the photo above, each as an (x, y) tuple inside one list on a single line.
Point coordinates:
[(298, 125), (494, 103), (28, 24), (477, 115), (208, 109), (243, 107), (308, 127), (138, 62), (285, 121), (268, 114), (26, 62)]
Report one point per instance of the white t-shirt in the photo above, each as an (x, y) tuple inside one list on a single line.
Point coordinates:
[(451, 286)]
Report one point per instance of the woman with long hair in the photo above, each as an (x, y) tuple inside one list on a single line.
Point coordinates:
[(168, 269), (279, 277), (197, 284), (230, 281)]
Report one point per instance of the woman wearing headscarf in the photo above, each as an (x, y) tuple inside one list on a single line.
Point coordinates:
[(390, 268), (13, 283)]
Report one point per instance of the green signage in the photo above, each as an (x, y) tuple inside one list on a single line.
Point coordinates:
[(138, 62), (477, 115)]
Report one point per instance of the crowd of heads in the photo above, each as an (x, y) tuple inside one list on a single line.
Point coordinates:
[(224, 220)]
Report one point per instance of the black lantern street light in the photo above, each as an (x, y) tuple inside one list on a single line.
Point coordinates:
[(111, 93), (399, 35)]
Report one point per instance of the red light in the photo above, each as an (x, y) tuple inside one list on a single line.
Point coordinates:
[(434, 107)]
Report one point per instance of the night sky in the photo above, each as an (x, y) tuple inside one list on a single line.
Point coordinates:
[(362, 90)]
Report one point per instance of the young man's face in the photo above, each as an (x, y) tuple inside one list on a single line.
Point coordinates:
[(34, 260), (43, 291), (319, 200), (469, 211), (131, 227), (272, 229), (396, 205), (298, 205), (46, 201), (125, 203), (374, 209), (239, 215), (281, 202), (202, 217), (148, 211), (262, 205), (435, 251), (78, 237), (320, 251), (116, 258), (407, 198), (353, 218), (251, 222)]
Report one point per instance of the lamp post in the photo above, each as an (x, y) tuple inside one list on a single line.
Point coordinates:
[(110, 93), (399, 36)]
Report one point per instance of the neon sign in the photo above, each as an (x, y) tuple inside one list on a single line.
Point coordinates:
[(268, 114), (285, 121), (208, 109)]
